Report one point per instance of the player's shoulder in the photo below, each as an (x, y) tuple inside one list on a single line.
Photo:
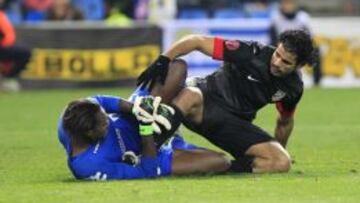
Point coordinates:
[(292, 82), (298, 77), (257, 48), (262, 50), (292, 86), (250, 45), (267, 48), (237, 49), (295, 82)]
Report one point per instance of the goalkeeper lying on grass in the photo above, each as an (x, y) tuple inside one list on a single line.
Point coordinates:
[(110, 138)]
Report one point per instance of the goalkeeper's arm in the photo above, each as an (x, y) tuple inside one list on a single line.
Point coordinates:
[(112, 104), (106, 170)]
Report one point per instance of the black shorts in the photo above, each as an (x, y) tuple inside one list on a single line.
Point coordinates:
[(224, 129)]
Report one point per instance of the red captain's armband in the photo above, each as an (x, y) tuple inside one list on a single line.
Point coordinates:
[(283, 112), (218, 48)]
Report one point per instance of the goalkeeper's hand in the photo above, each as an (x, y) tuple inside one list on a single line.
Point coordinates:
[(163, 115), (144, 107), (149, 111)]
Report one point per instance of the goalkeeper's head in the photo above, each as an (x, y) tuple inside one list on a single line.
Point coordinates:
[(85, 121)]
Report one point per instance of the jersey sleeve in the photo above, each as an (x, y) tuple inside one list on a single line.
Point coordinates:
[(235, 51), (287, 106), (110, 104), (106, 170)]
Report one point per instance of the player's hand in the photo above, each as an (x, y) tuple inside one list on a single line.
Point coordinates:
[(157, 71), (163, 115), (143, 108), (149, 110)]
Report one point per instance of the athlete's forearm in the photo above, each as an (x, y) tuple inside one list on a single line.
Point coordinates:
[(112, 104), (283, 129), (148, 147), (191, 43)]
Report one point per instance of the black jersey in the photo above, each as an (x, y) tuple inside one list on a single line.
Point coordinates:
[(244, 83)]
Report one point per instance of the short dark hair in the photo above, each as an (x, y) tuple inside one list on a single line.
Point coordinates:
[(298, 42), (80, 118)]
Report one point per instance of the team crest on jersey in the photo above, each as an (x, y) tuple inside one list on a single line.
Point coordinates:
[(278, 96), (232, 44)]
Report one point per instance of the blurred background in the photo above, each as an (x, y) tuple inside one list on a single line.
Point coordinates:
[(74, 46), (95, 43)]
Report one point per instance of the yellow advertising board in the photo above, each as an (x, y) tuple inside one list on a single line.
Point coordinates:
[(90, 64), (339, 54)]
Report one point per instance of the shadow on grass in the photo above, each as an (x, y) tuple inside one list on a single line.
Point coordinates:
[(293, 174), (191, 177), (207, 177)]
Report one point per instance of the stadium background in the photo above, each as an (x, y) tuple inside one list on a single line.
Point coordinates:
[(114, 41)]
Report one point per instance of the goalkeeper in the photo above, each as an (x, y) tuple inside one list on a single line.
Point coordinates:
[(109, 138)]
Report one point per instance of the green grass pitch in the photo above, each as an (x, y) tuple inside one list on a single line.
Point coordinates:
[(325, 146)]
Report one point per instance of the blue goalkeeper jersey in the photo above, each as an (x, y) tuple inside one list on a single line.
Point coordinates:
[(103, 160)]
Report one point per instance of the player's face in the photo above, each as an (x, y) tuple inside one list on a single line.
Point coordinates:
[(282, 62)]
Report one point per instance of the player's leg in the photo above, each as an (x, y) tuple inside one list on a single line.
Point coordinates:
[(254, 149), (188, 162), (190, 102), (173, 84), (258, 153), (232, 134), (269, 157)]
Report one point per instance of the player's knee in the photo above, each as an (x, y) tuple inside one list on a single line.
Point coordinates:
[(281, 163), (174, 83), (179, 64), (178, 68), (280, 158)]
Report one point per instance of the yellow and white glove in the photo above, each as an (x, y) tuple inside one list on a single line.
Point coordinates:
[(149, 110)]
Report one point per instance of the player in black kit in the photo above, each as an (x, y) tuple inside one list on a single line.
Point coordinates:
[(222, 106)]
